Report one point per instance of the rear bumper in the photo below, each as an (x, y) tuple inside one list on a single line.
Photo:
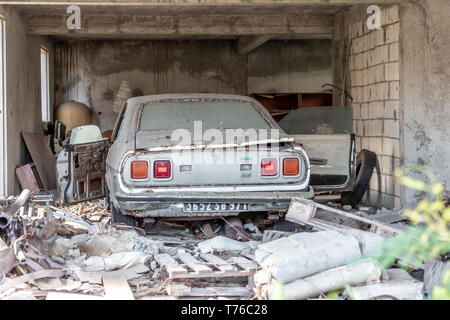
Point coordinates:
[(171, 204)]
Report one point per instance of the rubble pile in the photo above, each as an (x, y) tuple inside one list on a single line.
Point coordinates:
[(68, 252), (94, 211), (309, 265), (46, 260)]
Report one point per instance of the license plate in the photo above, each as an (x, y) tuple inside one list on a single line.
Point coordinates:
[(215, 207)]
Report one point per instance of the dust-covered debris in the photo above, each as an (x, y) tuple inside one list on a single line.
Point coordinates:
[(70, 254)]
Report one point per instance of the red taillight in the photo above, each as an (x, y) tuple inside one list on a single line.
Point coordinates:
[(291, 166), (161, 169), (269, 167), (139, 169)]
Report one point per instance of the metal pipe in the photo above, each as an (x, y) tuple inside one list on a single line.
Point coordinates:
[(5, 220), (6, 217)]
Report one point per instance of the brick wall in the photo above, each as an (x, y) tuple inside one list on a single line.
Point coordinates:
[(373, 81)]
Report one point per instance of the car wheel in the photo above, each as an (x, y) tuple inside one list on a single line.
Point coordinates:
[(283, 225), (365, 163), (117, 217)]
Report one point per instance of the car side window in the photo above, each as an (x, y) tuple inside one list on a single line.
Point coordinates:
[(118, 126)]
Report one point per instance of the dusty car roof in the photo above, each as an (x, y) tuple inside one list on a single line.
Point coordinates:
[(136, 101)]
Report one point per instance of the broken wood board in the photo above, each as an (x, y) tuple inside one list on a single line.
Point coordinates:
[(222, 265), (29, 277), (217, 266), (207, 230), (180, 290), (96, 276), (302, 211), (172, 267), (193, 263), (43, 158), (244, 263), (270, 235), (117, 288), (72, 296)]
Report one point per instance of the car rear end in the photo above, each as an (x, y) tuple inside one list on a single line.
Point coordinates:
[(162, 179), (164, 184)]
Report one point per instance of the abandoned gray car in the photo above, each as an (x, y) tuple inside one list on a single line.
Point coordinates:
[(194, 156)]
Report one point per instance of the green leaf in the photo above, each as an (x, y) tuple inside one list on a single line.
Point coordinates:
[(446, 215), (278, 292), (437, 189), (440, 293), (413, 183)]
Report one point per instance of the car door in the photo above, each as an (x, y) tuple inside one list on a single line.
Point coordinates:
[(331, 157), (326, 135)]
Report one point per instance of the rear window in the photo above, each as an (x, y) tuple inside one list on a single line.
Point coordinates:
[(174, 115)]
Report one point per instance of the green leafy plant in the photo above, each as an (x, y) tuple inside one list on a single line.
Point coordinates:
[(429, 236)]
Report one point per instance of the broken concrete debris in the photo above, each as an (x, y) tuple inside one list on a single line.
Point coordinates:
[(221, 244), (361, 272), (434, 273), (395, 289), (303, 254)]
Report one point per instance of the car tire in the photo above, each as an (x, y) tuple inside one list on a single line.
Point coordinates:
[(283, 225), (117, 217), (365, 163)]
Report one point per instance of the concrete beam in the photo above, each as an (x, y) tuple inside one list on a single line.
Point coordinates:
[(247, 44), (183, 25)]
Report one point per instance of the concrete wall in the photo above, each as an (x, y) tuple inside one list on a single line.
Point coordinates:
[(425, 87), (23, 92), (373, 81), (91, 71), (290, 66)]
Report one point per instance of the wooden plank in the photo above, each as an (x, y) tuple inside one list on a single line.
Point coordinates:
[(72, 296), (117, 288), (96, 277), (43, 158), (185, 291), (26, 178), (11, 283), (222, 265), (172, 267), (213, 274), (298, 203), (193, 263), (244, 263)]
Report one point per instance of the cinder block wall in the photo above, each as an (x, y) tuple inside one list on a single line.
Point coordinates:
[(373, 81)]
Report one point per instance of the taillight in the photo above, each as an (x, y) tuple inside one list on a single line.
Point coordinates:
[(139, 169), (161, 169), (291, 166), (269, 167)]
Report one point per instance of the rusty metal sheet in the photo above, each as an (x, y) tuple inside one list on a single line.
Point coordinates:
[(42, 157)]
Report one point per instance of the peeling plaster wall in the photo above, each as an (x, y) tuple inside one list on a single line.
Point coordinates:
[(91, 71), (23, 91), (425, 87)]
